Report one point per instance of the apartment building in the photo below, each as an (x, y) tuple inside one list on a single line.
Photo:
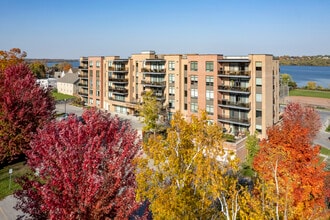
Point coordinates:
[(239, 92)]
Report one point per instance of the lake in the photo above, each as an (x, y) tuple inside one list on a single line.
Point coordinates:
[(303, 74)]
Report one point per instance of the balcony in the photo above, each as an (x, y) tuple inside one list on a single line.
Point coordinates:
[(234, 89), (82, 84), (83, 75), (83, 93), (235, 74), (118, 80), (232, 120), (148, 71), (236, 105), (83, 67), (118, 69), (153, 84), (117, 100), (118, 90)]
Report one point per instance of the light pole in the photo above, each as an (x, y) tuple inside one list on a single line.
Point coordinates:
[(65, 106)]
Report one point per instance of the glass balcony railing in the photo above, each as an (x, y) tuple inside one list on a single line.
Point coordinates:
[(231, 73), (233, 120), (236, 89), (153, 84)]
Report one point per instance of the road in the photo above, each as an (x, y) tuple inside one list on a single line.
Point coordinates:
[(322, 136)]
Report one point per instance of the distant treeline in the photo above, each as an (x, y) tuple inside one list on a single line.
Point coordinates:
[(321, 60), (51, 60)]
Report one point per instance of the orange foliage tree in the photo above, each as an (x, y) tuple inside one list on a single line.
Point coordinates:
[(12, 57), (288, 164)]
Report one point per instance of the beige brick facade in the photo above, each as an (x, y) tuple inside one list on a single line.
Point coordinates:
[(240, 93)]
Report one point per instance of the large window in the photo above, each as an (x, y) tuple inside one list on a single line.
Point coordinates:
[(258, 97), (193, 107), (194, 93), (209, 80), (258, 81), (97, 73), (98, 63), (171, 90), (171, 78), (210, 109), (258, 66), (193, 66), (91, 73), (171, 65), (209, 66), (90, 63), (193, 80), (209, 94)]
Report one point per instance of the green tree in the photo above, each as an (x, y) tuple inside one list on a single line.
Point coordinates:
[(188, 175), (149, 110), (252, 147), (287, 79), (311, 85), (38, 68)]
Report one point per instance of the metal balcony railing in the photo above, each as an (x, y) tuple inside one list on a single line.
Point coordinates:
[(154, 84), (240, 121), (226, 88), (239, 105), (230, 73)]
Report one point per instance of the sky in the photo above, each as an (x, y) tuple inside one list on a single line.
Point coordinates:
[(69, 29)]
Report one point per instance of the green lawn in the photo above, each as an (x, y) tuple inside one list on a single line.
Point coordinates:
[(61, 96), (325, 151), (19, 169), (310, 93)]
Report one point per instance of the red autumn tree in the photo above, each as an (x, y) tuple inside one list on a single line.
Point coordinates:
[(305, 117), (85, 169), (24, 107), (290, 166)]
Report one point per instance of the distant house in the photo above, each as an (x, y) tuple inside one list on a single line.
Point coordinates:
[(45, 83), (68, 84)]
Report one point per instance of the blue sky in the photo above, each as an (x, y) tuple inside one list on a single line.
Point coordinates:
[(74, 28)]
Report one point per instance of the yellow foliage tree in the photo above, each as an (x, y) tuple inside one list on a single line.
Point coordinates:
[(188, 175)]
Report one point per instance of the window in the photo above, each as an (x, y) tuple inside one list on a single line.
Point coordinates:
[(171, 90), (91, 83), (171, 65), (91, 73), (258, 66), (258, 113), (194, 93), (90, 63), (110, 64), (209, 109), (119, 97), (171, 104), (209, 94), (193, 80), (185, 80), (98, 64), (209, 80), (97, 84), (171, 78), (193, 107), (185, 106), (91, 92), (193, 66), (185, 93), (209, 66), (90, 101), (258, 97), (98, 93), (97, 73), (97, 102), (258, 81)]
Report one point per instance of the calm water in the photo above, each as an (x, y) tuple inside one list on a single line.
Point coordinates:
[(303, 74), (74, 64)]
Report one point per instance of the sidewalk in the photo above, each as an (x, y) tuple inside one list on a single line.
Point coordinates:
[(7, 211)]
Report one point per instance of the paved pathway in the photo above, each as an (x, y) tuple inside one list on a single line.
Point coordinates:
[(7, 211)]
